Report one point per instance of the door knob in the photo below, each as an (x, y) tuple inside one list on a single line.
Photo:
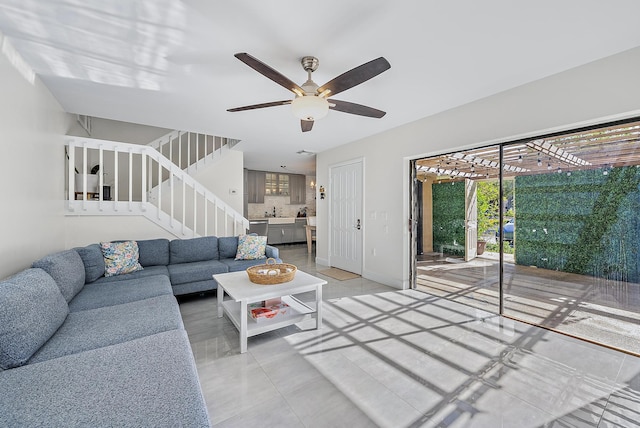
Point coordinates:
[(358, 224)]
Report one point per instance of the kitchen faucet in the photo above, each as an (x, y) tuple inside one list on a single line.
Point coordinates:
[(274, 211)]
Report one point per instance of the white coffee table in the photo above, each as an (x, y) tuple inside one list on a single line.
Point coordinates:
[(244, 292)]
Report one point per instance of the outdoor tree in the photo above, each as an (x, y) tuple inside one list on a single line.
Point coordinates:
[(488, 194)]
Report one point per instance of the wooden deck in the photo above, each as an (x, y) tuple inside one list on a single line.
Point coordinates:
[(596, 309)]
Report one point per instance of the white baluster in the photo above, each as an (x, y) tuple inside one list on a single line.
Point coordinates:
[(159, 187), (188, 151), (195, 211), (101, 178), (171, 194), (143, 181), (184, 205), (180, 150), (116, 179), (84, 176), (130, 179), (206, 216), (170, 149), (197, 149)]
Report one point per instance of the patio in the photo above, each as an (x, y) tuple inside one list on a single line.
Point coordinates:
[(600, 310)]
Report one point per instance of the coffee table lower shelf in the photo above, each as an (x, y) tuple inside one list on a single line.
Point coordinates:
[(243, 293), (299, 311)]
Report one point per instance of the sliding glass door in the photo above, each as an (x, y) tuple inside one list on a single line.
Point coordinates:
[(556, 231), (576, 234)]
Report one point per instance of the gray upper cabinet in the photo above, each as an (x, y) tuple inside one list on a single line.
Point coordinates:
[(261, 183), (256, 186), (276, 184), (298, 192)]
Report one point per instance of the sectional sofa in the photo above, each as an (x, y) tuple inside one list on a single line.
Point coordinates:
[(78, 348)]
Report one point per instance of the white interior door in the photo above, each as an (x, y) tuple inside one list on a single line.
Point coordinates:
[(346, 220)]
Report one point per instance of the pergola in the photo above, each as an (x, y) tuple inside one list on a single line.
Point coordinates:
[(604, 148)]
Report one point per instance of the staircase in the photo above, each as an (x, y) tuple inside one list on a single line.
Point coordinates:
[(153, 181), (191, 151)]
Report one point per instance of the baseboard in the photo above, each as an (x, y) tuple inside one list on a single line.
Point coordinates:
[(383, 279), (321, 261)]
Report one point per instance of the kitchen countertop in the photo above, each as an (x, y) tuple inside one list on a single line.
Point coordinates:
[(278, 220)]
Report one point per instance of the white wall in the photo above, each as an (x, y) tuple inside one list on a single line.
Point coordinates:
[(594, 93), (224, 176), (85, 230), (32, 175)]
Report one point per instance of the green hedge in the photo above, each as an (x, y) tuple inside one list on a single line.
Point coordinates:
[(585, 223), (448, 217)]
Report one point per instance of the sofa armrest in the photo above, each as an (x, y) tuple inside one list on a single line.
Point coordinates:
[(272, 252)]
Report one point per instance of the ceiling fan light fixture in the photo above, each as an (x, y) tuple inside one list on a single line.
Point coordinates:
[(310, 107)]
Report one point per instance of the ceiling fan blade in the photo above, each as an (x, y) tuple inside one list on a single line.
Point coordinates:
[(355, 76), (353, 108), (263, 105), (269, 72), (306, 125)]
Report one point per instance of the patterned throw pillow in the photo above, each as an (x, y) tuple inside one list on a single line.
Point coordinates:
[(120, 257), (251, 247)]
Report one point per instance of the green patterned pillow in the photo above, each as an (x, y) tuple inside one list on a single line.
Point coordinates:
[(251, 247), (120, 257)]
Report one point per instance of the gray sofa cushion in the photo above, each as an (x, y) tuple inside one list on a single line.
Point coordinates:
[(228, 247), (93, 261), (147, 271), (238, 265), (273, 252), (106, 326), (151, 381), (67, 270), (195, 287), (153, 252), (194, 249), (32, 309), (99, 295), (196, 271)]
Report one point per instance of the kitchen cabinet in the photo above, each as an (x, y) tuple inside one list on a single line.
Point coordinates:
[(287, 233), (300, 233), (261, 183), (276, 184), (280, 233), (298, 192), (256, 181)]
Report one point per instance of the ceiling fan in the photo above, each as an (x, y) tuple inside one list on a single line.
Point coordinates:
[(312, 102)]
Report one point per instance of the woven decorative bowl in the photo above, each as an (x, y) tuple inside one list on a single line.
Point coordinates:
[(271, 272)]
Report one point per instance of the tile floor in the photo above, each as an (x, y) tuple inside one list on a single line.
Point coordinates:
[(395, 358)]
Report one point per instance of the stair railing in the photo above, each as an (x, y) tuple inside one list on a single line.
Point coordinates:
[(188, 150), (184, 207)]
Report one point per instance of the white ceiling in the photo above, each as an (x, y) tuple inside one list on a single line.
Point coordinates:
[(170, 63)]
